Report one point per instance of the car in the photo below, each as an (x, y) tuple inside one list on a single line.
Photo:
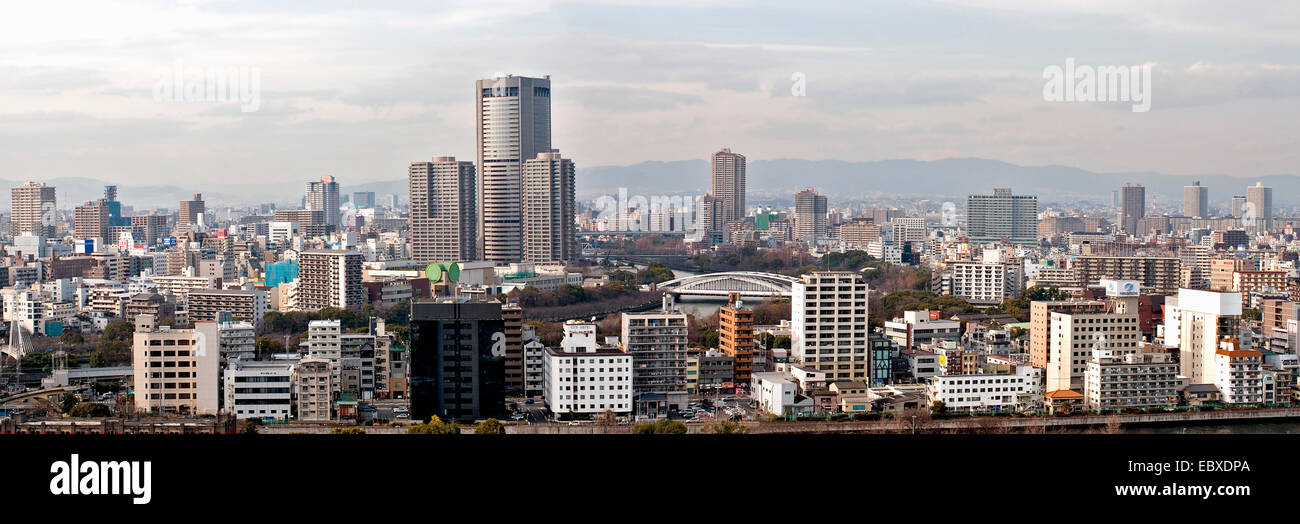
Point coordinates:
[(517, 416), (529, 401), (402, 416), (401, 409)]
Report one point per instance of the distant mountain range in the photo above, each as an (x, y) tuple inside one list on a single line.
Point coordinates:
[(952, 178)]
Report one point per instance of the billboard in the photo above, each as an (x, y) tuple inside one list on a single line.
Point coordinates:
[(1122, 288)]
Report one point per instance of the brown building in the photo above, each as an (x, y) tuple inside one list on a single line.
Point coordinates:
[(205, 305), (736, 337), (149, 304), (513, 315), (1159, 274), (1247, 282), (91, 221), (1221, 271)]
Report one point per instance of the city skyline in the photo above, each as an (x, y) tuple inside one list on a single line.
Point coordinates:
[(86, 91)]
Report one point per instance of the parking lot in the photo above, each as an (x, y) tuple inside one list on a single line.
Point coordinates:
[(720, 407)]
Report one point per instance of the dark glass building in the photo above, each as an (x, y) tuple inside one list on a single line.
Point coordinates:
[(457, 359)]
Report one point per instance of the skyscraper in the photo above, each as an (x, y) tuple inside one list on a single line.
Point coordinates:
[(549, 209), (189, 214), (364, 199), (32, 209), (329, 278), (91, 221), (323, 195), (513, 125), (470, 333), (1196, 200), (1238, 205), (729, 183), (993, 218), (443, 218), (1260, 202), (809, 216), (1132, 207)]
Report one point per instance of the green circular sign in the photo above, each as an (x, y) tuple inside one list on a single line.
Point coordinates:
[(453, 272), (433, 271)]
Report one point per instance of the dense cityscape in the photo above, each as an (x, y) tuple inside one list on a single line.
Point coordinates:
[(489, 299)]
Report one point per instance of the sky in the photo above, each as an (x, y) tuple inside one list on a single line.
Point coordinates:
[(359, 90)]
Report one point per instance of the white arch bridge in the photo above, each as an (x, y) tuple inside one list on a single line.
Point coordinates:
[(747, 283)]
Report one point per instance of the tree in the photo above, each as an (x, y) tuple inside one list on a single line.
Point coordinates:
[(99, 359), (435, 426), (119, 330), (268, 345), (250, 426), (72, 337), (89, 409), (347, 431), (490, 427), (1250, 313), (67, 402), (724, 427), (662, 427), (938, 409)]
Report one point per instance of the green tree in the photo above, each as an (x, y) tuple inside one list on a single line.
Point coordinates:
[(89, 409), (119, 330), (268, 345), (938, 409), (67, 402), (99, 359), (1251, 313), (347, 431), (490, 427), (435, 426), (250, 426), (725, 427)]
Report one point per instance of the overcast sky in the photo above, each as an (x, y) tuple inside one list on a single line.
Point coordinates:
[(361, 89)]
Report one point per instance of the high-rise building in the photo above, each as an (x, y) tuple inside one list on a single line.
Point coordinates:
[(323, 195), (809, 216), (91, 221), (1238, 205), (729, 183), (443, 223), (330, 278), (363, 199), (457, 359), (829, 324), (1133, 207), (32, 209), (1196, 200), (190, 212), (1076, 334), (736, 337), (1002, 216), (153, 226), (1196, 321), (1258, 216), (549, 209), (513, 125)]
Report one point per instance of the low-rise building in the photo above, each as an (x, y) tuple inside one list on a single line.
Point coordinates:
[(916, 327), (1237, 373), (259, 389), (984, 392), (583, 379)]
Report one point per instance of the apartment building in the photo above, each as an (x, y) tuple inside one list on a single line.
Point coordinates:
[(176, 370), (1076, 336), (237, 341), (829, 327), (1161, 275), (1247, 282), (329, 278), (1237, 373), (917, 327), (207, 305), (312, 379), (1196, 321), (657, 342), (736, 337), (981, 282), (986, 392), (1122, 379)]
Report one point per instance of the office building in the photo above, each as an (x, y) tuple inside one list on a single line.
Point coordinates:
[(444, 221), (987, 392), (829, 324), (259, 389), (583, 379), (657, 342), (921, 327), (323, 195), (153, 227), (1002, 217), (176, 370), (329, 278), (32, 210), (457, 359), (1196, 200), (1133, 207), (190, 215), (1077, 334), (729, 183), (549, 209), (513, 116), (363, 199)]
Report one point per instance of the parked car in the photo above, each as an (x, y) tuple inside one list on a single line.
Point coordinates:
[(529, 401)]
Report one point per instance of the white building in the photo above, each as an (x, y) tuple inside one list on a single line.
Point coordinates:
[(259, 389), (774, 392), (583, 379), (315, 395), (917, 327), (1074, 337), (176, 370), (983, 282), (238, 341), (986, 392), (829, 324), (1237, 373), (325, 342), (1195, 322), (1123, 379)]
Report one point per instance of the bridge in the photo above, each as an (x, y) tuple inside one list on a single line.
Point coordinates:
[(747, 283)]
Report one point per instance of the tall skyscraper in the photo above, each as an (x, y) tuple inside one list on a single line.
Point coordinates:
[(809, 216), (1133, 207), (833, 344), (189, 214), (443, 217), (1260, 202), (1196, 200), (513, 125), (549, 209), (729, 183), (323, 195), (1238, 205), (32, 209), (91, 221), (993, 218)]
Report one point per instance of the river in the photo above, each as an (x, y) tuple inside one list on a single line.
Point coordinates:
[(699, 306)]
